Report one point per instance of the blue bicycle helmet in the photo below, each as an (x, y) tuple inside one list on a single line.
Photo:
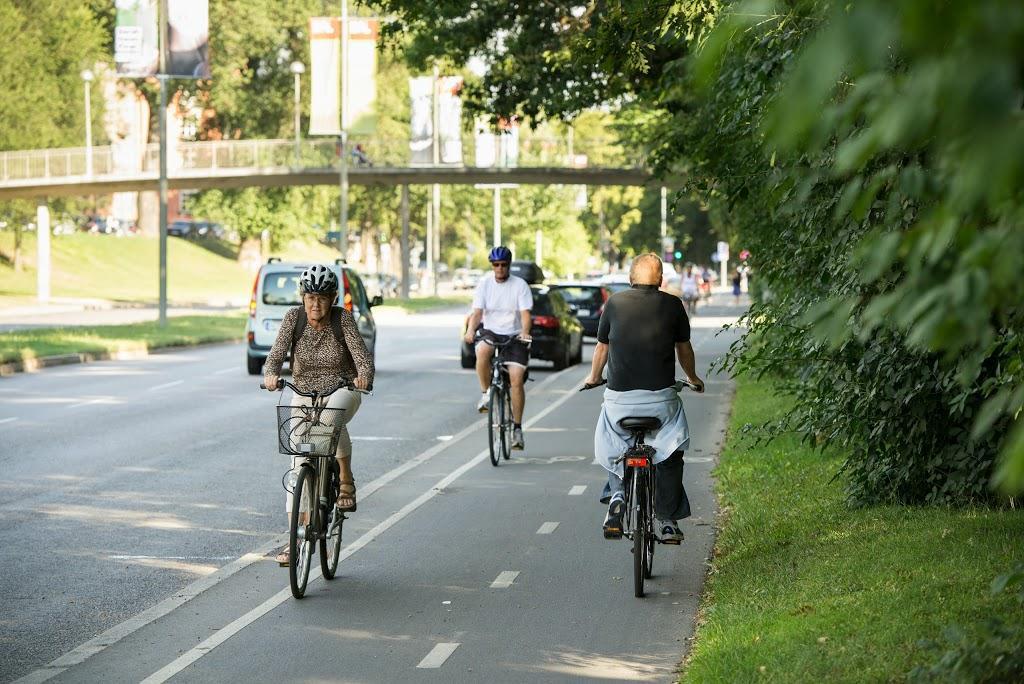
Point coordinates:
[(500, 253)]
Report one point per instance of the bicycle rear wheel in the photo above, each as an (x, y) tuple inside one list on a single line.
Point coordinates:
[(639, 504), (496, 425), (330, 546), (650, 538), (300, 547)]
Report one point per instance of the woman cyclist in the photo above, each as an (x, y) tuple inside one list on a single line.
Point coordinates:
[(320, 359)]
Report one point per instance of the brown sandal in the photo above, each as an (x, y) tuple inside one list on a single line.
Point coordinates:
[(346, 494)]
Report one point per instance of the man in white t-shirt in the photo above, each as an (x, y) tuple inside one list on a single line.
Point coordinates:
[(504, 302)]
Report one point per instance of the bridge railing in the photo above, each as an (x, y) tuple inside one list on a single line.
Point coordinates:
[(229, 156)]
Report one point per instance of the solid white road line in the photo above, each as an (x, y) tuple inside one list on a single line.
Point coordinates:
[(547, 528), (505, 579), (7, 420), (438, 655), (222, 635), (118, 632), (166, 385), (577, 490)]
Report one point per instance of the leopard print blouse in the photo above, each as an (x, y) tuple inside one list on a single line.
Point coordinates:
[(319, 360)]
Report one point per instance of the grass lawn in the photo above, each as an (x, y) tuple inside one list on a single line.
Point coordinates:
[(126, 269), (804, 588), (180, 331)]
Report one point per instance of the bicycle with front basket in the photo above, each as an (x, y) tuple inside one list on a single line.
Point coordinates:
[(311, 432), (640, 480)]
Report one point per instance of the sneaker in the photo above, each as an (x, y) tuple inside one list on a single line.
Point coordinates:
[(669, 532), (482, 406), (613, 521), (517, 439)]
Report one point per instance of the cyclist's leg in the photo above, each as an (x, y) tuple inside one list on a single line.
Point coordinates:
[(612, 525), (484, 352), (349, 403), (517, 358), (670, 500)]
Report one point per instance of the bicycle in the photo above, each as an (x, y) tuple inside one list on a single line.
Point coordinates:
[(640, 480), (499, 409), (310, 432)]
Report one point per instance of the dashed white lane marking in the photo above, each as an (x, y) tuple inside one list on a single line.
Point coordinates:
[(577, 490), (547, 528), (505, 579), (225, 370), (240, 623), (357, 438), (166, 385), (7, 420), (438, 655)]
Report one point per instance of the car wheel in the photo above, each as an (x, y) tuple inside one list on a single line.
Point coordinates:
[(254, 365), (578, 357), (468, 358), (562, 358)]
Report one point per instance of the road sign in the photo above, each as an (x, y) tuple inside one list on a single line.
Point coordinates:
[(668, 244), (723, 251)]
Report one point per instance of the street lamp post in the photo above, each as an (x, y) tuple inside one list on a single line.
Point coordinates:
[(87, 77), (298, 68)]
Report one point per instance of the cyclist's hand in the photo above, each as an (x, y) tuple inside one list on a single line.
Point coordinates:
[(361, 383), (469, 337), (525, 339), (271, 382), (698, 383)]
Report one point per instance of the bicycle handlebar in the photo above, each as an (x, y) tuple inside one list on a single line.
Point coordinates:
[(282, 383), (604, 381), (499, 345)]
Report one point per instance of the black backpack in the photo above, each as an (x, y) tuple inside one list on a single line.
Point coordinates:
[(301, 321)]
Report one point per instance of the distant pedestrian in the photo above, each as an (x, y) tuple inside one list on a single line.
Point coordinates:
[(737, 278)]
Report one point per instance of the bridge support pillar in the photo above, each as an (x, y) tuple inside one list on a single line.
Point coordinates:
[(43, 251), (405, 241)]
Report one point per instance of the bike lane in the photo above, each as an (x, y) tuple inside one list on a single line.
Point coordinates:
[(459, 568)]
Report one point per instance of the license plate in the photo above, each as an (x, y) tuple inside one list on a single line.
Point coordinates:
[(270, 325), (583, 312)]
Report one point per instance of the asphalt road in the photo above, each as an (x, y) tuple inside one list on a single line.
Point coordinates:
[(152, 486)]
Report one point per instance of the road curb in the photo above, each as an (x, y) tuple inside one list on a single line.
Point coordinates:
[(34, 365)]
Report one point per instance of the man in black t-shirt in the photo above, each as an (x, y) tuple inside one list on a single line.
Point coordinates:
[(641, 335)]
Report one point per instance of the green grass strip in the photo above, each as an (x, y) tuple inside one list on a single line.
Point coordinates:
[(804, 588), (420, 304), (21, 345)]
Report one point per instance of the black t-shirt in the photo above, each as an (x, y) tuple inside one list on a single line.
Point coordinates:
[(641, 327)]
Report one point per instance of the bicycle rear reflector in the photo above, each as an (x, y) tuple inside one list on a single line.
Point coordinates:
[(638, 461)]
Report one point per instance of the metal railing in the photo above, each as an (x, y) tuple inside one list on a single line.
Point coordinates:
[(230, 156)]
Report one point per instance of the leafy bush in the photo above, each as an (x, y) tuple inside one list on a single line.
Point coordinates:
[(993, 653)]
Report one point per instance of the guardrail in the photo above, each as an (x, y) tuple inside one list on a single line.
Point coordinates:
[(228, 155)]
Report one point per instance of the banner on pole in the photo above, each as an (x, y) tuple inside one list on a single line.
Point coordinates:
[(421, 120), (325, 76), (188, 38), (361, 71), (496, 149), (449, 106), (136, 45)]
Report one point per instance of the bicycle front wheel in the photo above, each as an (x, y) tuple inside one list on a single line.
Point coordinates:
[(300, 547), (640, 515), (506, 424), (496, 425)]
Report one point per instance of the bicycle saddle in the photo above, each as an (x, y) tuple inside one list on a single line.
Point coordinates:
[(644, 423)]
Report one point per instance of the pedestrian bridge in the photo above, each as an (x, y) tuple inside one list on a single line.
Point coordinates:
[(272, 163)]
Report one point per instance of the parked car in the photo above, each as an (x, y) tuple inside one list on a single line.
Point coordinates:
[(206, 229), (182, 228), (466, 278), (276, 290), (383, 284), (587, 300), (557, 334)]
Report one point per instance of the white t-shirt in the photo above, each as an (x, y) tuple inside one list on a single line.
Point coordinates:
[(502, 302), (690, 283)]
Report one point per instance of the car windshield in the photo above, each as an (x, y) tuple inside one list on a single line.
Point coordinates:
[(582, 296), (281, 289)]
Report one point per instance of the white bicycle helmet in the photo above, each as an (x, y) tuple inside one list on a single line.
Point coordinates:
[(318, 279)]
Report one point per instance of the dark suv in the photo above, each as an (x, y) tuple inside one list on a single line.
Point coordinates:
[(276, 290)]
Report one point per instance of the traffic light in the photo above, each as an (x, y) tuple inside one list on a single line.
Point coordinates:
[(678, 255)]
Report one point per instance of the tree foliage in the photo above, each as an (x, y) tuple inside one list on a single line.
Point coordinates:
[(870, 155)]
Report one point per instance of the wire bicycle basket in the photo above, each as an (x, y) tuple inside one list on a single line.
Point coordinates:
[(310, 431)]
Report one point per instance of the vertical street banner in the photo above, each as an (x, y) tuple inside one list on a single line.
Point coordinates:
[(361, 71), (188, 38), (499, 149), (421, 120), (136, 45), (484, 144), (449, 118), (325, 76)]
